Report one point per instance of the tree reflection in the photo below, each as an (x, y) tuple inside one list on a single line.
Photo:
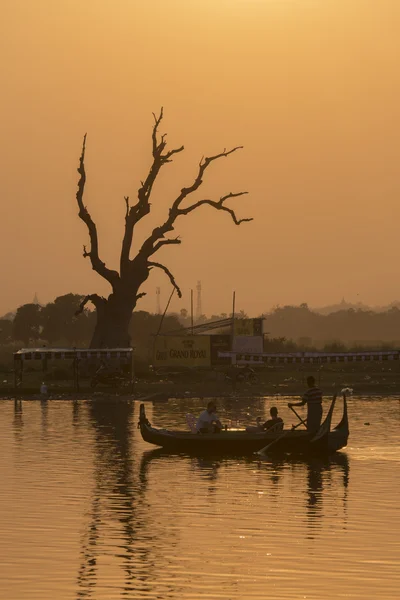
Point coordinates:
[(116, 499), (18, 422), (75, 413)]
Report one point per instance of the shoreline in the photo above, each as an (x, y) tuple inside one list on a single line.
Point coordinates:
[(149, 394)]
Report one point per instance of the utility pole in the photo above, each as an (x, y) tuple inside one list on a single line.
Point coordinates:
[(191, 309), (199, 311), (158, 294)]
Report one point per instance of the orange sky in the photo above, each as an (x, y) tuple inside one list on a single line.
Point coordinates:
[(311, 88)]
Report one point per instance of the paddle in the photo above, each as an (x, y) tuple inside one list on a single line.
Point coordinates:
[(264, 450), (298, 416)]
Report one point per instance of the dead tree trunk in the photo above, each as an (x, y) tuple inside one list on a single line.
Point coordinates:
[(114, 313), (112, 324)]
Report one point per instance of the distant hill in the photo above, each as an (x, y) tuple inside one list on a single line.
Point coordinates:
[(343, 305)]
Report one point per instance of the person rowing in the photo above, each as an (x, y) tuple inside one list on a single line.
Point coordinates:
[(313, 398)]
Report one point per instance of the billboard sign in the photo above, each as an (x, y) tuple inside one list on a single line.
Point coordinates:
[(182, 351)]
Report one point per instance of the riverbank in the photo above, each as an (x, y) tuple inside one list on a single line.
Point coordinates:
[(162, 392), (375, 379)]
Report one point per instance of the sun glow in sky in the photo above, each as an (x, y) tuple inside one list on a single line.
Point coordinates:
[(310, 88)]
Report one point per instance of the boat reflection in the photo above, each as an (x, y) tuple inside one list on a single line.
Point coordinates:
[(321, 475), (318, 476), (314, 476)]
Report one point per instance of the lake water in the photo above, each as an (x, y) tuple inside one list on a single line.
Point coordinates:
[(89, 510)]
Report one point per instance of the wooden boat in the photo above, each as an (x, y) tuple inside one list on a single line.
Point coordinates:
[(241, 442)]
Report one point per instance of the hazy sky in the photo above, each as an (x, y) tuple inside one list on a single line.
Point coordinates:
[(310, 88)]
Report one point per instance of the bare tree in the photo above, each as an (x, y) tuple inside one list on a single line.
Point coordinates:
[(114, 313)]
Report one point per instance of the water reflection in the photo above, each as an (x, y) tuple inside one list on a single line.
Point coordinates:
[(91, 513), (75, 413), (142, 505), (18, 421), (117, 499), (321, 475), (315, 477), (111, 476), (324, 475), (208, 470), (44, 410)]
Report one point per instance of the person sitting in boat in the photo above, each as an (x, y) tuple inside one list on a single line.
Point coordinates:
[(274, 421), (313, 399), (208, 421)]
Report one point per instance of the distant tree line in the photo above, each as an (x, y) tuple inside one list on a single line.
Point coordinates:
[(287, 328), (57, 324), (301, 326)]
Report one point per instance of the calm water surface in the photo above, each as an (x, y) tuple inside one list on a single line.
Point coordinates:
[(89, 510)]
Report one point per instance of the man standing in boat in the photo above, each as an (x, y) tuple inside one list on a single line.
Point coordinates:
[(313, 399)]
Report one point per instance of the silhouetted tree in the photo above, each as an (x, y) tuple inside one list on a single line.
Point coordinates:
[(219, 317), (27, 323), (6, 331), (60, 323), (144, 325), (114, 313)]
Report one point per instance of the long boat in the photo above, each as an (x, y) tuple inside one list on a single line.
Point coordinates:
[(240, 442)]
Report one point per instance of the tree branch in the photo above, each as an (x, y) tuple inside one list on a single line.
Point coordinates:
[(157, 121), (150, 246), (97, 264), (142, 207), (219, 206), (203, 166), (98, 301), (166, 242), (168, 272)]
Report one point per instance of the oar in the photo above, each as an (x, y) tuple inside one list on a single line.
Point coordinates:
[(264, 450), (298, 416)]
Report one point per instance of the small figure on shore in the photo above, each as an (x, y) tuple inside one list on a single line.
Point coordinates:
[(208, 421), (43, 389), (274, 420), (313, 398)]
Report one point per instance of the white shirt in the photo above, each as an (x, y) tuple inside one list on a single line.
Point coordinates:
[(206, 419)]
